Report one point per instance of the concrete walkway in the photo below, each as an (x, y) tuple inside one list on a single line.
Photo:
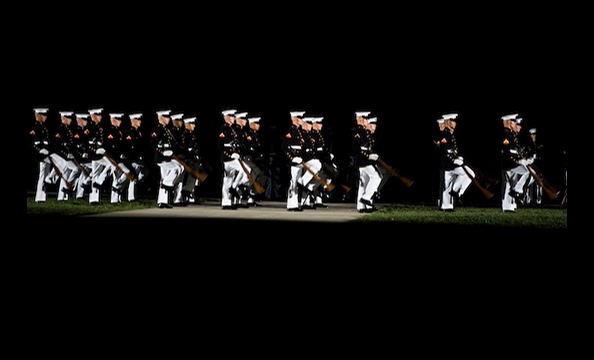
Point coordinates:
[(269, 211)]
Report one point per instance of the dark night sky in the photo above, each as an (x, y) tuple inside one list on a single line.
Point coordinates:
[(406, 75)]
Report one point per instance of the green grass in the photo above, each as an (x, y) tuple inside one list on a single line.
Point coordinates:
[(544, 218), (75, 207)]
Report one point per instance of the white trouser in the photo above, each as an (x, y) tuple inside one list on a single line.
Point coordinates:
[(171, 172), (369, 181), (456, 180), (139, 170), (308, 180), (70, 172), (514, 179), (118, 182), (83, 179), (97, 176), (293, 189), (45, 168), (242, 177), (231, 169)]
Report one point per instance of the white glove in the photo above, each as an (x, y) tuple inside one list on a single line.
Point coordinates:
[(235, 156), (529, 161), (297, 160), (168, 153), (373, 157), (70, 156), (331, 156), (523, 162), (100, 151), (85, 155), (459, 161), (43, 152)]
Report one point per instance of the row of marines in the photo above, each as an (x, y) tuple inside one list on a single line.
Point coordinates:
[(81, 159)]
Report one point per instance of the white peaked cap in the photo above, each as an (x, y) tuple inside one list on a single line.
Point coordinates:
[(440, 121), (298, 114), (372, 120), (362, 113), (308, 119), (242, 115), (509, 117), (254, 119), (95, 111), (532, 131), (41, 110), (177, 117), (82, 115), (229, 112), (136, 116), (450, 116), (164, 113), (116, 115), (66, 113), (190, 120), (318, 119), (518, 120)]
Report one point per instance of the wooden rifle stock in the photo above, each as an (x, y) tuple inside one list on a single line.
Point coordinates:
[(201, 176), (551, 191), (328, 186), (406, 181), (259, 188), (486, 193), (129, 176), (82, 168), (482, 175)]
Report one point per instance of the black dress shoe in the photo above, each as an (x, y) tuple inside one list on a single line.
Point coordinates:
[(164, 206), (294, 209), (516, 195), (447, 210), (234, 192), (308, 207), (228, 207), (180, 204), (94, 203), (366, 202), (323, 206), (456, 197)]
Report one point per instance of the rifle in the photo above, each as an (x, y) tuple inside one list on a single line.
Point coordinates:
[(129, 176), (406, 181), (82, 168), (197, 174), (551, 191), (327, 185), (488, 194), (259, 188), (68, 183), (482, 175)]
